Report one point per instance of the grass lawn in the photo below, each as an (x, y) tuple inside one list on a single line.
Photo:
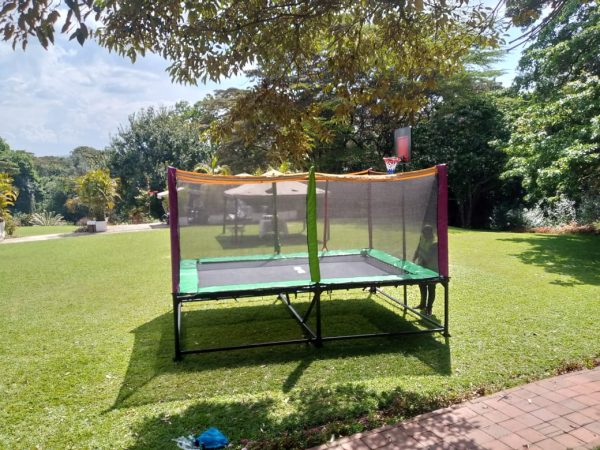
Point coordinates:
[(39, 230), (86, 344)]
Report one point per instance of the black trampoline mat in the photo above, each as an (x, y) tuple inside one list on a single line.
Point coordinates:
[(290, 270)]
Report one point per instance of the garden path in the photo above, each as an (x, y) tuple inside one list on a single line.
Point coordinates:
[(111, 229), (558, 413)]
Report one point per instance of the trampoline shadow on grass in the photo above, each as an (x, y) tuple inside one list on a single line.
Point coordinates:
[(153, 377)]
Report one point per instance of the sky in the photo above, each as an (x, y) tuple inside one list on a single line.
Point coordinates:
[(54, 100)]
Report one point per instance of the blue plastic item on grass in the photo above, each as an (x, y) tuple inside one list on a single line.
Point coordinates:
[(212, 439)]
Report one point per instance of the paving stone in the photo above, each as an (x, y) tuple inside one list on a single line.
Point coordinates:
[(541, 400), (568, 440), (536, 388), (549, 444), (594, 427), (573, 404), (557, 398), (463, 413), (480, 407), (496, 416), (508, 409), (426, 438), (567, 392), (592, 411), (585, 399), (559, 410), (496, 431), (564, 424), (548, 430), (585, 435), (403, 446), (479, 437), (544, 414), (396, 435), (355, 444), (497, 445), (529, 420), (375, 440), (512, 425), (514, 441), (592, 375), (413, 427), (480, 422), (531, 436), (523, 393), (526, 405)]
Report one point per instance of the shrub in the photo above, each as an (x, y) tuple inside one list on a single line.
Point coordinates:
[(560, 213), (507, 219), (22, 219), (9, 224), (47, 219), (588, 211)]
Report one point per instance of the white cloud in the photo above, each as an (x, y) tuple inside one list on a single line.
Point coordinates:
[(53, 101)]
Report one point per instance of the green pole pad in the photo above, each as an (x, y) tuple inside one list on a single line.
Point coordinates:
[(311, 228)]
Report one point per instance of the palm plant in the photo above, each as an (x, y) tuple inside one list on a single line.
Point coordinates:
[(47, 219), (98, 191), (8, 195), (213, 168)]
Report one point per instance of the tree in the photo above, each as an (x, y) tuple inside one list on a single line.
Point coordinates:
[(461, 132), (20, 165), (563, 51), (555, 142), (84, 159), (154, 139), (212, 39), (98, 191), (535, 17), (236, 143), (355, 50)]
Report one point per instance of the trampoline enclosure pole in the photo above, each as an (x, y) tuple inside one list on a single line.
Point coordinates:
[(446, 309), (173, 227), (442, 219), (177, 324), (370, 214), (326, 217), (276, 243)]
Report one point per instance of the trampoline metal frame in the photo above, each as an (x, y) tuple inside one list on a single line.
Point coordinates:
[(312, 335)]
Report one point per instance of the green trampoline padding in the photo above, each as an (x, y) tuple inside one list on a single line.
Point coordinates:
[(287, 271)]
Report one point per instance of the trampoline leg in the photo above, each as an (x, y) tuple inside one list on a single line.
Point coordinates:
[(446, 312), (319, 340), (177, 323)]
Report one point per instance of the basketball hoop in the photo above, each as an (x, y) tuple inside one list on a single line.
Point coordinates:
[(390, 163)]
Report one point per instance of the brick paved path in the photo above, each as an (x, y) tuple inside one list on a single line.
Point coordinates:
[(558, 413)]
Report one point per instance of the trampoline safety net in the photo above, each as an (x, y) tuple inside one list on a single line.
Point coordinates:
[(240, 233)]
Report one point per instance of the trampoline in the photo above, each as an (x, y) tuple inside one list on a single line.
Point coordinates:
[(384, 213)]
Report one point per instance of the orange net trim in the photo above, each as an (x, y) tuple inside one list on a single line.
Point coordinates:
[(357, 177)]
